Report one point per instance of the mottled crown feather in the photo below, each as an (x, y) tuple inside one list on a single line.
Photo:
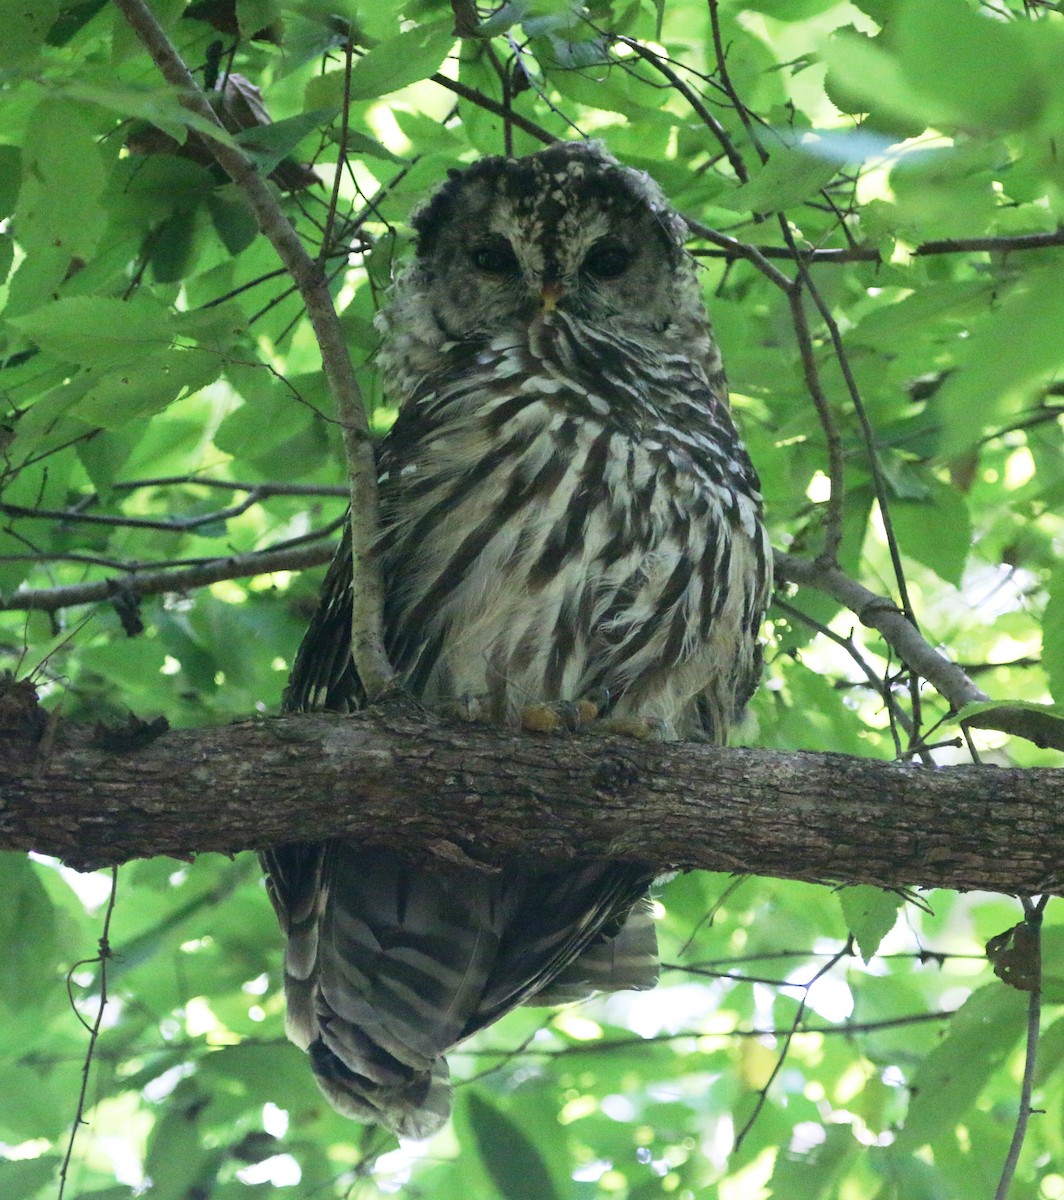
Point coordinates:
[(583, 169)]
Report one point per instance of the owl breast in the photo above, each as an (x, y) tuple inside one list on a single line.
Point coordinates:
[(567, 511)]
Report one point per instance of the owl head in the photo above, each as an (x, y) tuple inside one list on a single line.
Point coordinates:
[(507, 241)]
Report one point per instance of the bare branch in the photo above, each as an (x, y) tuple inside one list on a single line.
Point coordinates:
[(367, 641), (881, 613), (493, 106), (182, 579), (694, 100)]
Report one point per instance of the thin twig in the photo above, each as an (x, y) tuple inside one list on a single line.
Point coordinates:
[(788, 1037), (833, 515), (1033, 911), (341, 155), (694, 100), (94, 1032), (493, 106), (725, 79), (1003, 244), (168, 524), (233, 485), (882, 614), (737, 249), (881, 686)]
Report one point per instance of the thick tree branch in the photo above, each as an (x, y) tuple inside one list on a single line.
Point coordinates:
[(391, 777), (367, 640)]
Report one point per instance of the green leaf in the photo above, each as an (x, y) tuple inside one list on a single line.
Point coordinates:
[(96, 331), (870, 914), (936, 530), (58, 225), (28, 966), (1042, 723), (268, 144), (175, 1159), (973, 70), (141, 389), (159, 105), (1005, 361), (402, 60), (10, 173), (514, 1163), (25, 29), (22, 1179), (791, 175), (812, 1172), (951, 1077)]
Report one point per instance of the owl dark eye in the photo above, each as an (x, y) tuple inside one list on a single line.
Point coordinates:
[(494, 258), (607, 261)]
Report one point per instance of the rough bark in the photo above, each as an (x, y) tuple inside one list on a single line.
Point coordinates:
[(393, 777)]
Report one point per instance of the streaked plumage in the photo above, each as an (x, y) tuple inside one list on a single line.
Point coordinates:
[(566, 507)]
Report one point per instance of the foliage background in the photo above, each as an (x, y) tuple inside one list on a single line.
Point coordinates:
[(164, 409)]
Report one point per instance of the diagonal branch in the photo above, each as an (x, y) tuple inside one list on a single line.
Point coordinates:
[(882, 614), (366, 636)]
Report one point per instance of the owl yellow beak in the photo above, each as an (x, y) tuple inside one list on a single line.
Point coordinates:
[(549, 296)]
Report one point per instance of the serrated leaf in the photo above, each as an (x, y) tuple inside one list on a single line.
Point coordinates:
[(413, 55), (97, 331), (949, 1080), (140, 389), (515, 1165), (870, 914), (268, 144), (791, 175)]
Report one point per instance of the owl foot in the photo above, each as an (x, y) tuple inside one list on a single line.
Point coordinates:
[(466, 707), (553, 716), (648, 729), (585, 716)]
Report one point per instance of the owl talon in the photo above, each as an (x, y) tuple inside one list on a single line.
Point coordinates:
[(571, 715), (466, 707), (647, 729)]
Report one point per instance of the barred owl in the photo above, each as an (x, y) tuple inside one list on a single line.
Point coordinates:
[(568, 511)]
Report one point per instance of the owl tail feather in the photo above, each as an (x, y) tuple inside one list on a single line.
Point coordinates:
[(628, 961), (415, 1108)]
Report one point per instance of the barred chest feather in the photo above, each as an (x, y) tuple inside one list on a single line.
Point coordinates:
[(564, 510)]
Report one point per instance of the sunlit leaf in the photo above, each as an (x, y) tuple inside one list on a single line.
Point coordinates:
[(870, 914)]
